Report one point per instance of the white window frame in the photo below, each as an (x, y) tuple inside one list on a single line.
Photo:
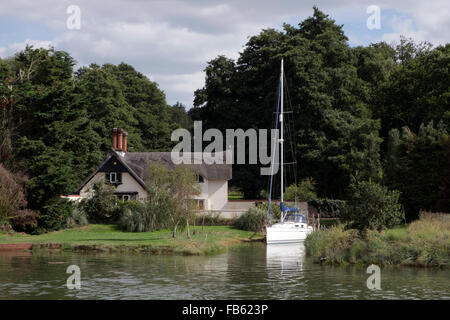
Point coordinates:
[(115, 177)]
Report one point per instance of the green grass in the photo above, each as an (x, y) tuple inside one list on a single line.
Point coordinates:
[(425, 243), (111, 238)]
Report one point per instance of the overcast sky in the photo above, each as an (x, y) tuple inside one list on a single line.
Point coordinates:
[(171, 41)]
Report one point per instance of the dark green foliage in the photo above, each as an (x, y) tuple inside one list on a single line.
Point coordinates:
[(25, 221), (102, 206), (358, 114), (55, 125), (417, 91), (416, 166), (443, 202), (372, 206), (253, 219), (333, 125), (303, 191), (54, 214), (328, 208)]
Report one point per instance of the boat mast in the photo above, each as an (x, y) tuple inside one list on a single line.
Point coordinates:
[(281, 136)]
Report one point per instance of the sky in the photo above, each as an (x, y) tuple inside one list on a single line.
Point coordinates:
[(171, 41)]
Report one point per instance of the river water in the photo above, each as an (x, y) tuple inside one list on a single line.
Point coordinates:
[(253, 271)]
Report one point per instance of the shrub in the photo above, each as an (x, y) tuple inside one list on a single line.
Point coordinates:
[(101, 207), (372, 206), (136, 218), (53, 215), (78, 218), (303, 191), (25, 221), (425, 242), (275, 210), (253, 219), (331, 244)]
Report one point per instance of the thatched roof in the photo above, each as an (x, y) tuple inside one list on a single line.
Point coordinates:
[(139, 162)]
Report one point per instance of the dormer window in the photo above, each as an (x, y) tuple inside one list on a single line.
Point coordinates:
[(113, 177), (200, 179)]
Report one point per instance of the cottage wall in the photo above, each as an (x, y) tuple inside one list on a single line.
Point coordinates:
[(129, 184)]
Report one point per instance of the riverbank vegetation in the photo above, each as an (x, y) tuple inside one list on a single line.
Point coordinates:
[(108, 237), (424, 242), (374, 113)]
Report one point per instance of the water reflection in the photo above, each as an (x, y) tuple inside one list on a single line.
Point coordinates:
[(284, 265), (254, 271), (285, 257)]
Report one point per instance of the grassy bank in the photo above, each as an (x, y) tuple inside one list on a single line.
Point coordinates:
[(110, 238), (425, 243)]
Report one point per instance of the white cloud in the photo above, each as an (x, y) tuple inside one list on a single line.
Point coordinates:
[(172, 40), (428, 22), (12, 48)]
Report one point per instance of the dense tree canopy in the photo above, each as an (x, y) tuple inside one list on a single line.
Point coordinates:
[(377, 113), (345, 102), (56, 123)]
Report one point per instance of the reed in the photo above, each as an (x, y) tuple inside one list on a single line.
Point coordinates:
[(425, 243)]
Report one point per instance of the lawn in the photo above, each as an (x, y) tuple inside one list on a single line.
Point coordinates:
[(208, 240)]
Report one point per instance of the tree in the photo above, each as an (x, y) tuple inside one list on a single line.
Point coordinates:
[(12, 196), (148, 104), (415, 165), (372, 206), (169, 200), (303, 191), (334, 130), (417, 90)]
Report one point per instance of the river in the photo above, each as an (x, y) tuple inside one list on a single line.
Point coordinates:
[(253, 271)]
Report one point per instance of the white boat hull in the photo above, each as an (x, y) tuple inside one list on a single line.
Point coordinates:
[(287, 233)]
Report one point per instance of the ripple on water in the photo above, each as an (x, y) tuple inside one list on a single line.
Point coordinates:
[(251, 272)]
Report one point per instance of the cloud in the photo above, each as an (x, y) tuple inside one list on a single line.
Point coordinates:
[(19, 46), (171, 41), (426, 22)]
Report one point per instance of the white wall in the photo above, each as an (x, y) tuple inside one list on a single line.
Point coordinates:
[(214, 193), (129, 184), (218, 193)]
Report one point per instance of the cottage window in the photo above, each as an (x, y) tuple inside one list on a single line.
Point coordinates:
[(126, 197), (200, 179), (114, 177)]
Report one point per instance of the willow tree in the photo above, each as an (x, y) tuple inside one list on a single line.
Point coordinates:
[(170, 193)]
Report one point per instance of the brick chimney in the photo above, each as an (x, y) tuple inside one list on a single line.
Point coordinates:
[(114, 138), (124, 141), (119, 139)]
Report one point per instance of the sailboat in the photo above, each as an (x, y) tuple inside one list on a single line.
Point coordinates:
[(293, 226)]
